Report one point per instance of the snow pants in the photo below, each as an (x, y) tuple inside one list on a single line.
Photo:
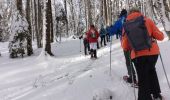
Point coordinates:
[(147, 77), (103, 39), (86, 46), (129, 65)]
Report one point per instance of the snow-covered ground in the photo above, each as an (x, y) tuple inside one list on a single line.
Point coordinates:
[(70, 75)]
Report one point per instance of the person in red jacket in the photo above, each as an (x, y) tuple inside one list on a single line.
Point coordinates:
[(92, 36), (145, 60)]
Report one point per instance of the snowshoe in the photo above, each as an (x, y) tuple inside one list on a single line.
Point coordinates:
[(128, 80), (93, 58), (160, 97)]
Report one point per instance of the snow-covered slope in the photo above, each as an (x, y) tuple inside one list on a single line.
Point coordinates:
[(70, 75)]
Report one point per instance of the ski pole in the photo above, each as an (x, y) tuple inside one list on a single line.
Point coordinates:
[(164, 71), (80, 45), (110, 55)]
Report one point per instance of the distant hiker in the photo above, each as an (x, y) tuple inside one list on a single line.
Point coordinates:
[(140, 37), (86, 43), (107, 34), (92, 36), (103, 36), (117, 29)]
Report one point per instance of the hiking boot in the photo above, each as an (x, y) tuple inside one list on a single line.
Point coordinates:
[(157, 97), (129, 80), (95, 54)]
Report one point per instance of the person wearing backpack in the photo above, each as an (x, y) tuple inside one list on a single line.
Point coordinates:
[(103, 36), (117, 29), (139, 36), (92, 36)]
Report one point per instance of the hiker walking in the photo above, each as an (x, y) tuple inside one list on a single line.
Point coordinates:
[(86, 43), (117, 29), (92, 36), (107, 34), (139, 36), (103, 36)]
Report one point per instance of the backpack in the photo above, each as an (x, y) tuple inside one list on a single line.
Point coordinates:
[(102, 32), (137, 34), (93, 34)]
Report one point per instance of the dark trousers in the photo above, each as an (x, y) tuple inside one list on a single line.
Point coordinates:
[(129, 65), (147, 76), (86, 46), (98, 45), (93, 53), (107, 37), (103, 39)]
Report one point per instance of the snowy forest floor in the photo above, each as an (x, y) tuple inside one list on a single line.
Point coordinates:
[(70, 75)]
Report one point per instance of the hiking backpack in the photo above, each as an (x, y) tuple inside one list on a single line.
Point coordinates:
[(93, 34), (137, 34)]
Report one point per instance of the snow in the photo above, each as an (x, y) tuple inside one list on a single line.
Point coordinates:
[(18, 25), (70, 75)]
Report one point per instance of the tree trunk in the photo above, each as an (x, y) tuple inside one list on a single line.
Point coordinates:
[(65, 5), (105, 12), (89, 12), (86, 17), (36, 25), (167, 9), (19, 6), (161, 11), (51, 24), (48, 26), (32, 20), (39, 24), (29, 37), (73, 23)]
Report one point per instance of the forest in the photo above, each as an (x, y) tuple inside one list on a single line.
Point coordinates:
[(25, 21), (53, 49)]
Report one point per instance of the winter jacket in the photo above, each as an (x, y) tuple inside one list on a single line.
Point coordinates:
[(153, 31), (90, 39), (116, 29), (103, 32)]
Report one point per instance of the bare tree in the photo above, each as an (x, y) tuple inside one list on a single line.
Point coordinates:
[(65, 6), (167, 9), (36, 10), (19, 6), (49, 28), (29, 37)]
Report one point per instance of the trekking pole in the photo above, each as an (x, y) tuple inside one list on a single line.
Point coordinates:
[(80, 45), (165, 71), (110, 56), (133, 80)]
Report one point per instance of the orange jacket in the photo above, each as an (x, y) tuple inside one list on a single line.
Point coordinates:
[(154, 32)]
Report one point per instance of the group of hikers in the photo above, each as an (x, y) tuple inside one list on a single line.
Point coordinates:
[(90, 40), (138, 36)]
